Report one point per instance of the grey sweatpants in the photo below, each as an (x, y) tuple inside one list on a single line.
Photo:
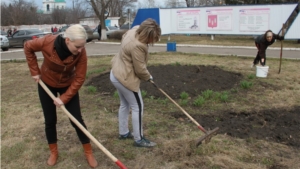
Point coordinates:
[(129, 100)]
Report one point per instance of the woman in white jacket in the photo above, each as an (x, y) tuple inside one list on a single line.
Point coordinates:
[(129, 67)]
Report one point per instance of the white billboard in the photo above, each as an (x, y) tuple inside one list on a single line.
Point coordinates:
[(235, 20)]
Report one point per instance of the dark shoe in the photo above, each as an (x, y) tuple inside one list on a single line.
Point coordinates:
[(126, 136), (144, 143)]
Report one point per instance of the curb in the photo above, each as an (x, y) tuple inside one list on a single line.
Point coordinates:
[(208, 46)]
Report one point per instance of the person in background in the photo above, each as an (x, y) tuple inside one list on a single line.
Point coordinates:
[(262, 42), (55, 29), (9, 32), (99, 31), (63, 71), (52, 30), (129, 67)]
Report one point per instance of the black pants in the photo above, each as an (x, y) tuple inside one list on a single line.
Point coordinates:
[(49, 109), (99, 37), (258, 58)]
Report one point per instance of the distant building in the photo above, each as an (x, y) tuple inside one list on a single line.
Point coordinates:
[(94, 21), (50, 5)]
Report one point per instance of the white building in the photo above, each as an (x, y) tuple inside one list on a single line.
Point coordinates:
[(50, 5)]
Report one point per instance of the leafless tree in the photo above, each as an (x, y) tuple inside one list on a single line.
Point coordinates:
[(59, 16), (119, 8), (147, 4), (18, 12), (22, 12), (100, 8), (5, 18), (79, 10), (175, 3), (103, 8)]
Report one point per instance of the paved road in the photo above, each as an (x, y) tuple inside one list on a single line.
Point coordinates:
[(102, 48)]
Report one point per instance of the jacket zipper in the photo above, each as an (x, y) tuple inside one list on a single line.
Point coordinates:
[(62, 74)]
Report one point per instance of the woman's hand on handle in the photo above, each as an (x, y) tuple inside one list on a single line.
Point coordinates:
[(58, 102), (36, 78)]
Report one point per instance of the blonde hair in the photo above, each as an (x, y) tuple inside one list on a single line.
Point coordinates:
[(149, 31), (75, 32)]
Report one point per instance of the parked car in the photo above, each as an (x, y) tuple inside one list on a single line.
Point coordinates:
[(88, 30), (4, 33), (21, 36), (109, 31), (126, 26), (4, 43)]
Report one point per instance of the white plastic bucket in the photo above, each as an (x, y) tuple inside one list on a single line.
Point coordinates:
[(262, 71)]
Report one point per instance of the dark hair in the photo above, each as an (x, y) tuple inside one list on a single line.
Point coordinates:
[(267, 33)]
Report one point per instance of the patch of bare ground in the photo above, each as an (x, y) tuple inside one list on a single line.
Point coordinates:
[(262, 124)]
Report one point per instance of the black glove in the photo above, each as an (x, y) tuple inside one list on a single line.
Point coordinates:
[(281, 38)]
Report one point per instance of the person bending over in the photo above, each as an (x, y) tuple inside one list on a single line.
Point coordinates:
[(63, 71), (129, 67), (262, 42)]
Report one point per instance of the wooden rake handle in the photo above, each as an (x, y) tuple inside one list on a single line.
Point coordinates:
[(113, 158), (190, 117)]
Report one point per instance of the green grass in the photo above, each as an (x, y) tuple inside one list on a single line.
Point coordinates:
[(207, 94), (144, 93), (251, 76), (184, 102), (199, 101), (245, 84), (97, 71), (91, 89), (116, 95), (184, 95), (224, 96)]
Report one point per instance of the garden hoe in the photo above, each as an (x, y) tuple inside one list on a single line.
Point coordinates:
[(208, 134), (114, 159)]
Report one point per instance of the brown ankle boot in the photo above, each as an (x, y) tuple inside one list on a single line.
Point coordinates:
[(54, 154), (89, 155)]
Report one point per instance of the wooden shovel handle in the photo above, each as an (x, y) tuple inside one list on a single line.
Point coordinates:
[(113, 158), (282, 34)]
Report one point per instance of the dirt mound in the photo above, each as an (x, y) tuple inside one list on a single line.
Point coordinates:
[(175, 79), (277, 125)]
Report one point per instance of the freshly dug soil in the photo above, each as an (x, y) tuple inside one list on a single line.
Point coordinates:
[(276, 125)]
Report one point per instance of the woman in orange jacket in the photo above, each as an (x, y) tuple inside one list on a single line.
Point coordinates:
[(63, 71)]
